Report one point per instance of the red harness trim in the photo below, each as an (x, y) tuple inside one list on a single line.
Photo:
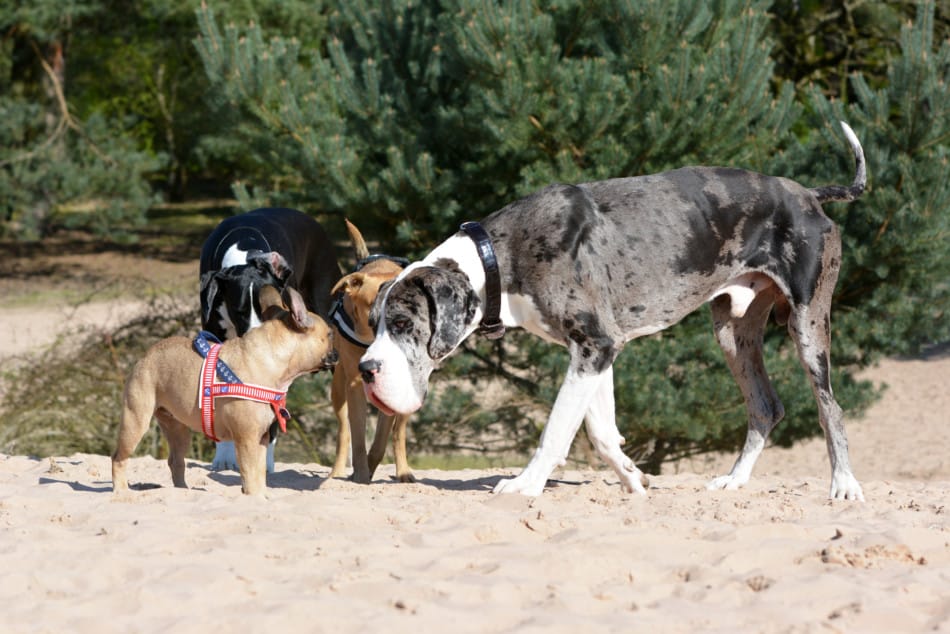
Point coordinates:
[(211, 389)]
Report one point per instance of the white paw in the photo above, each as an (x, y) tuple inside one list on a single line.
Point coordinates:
[(845, 486), (225, 458), (726, 482), (632, 480), (521, 484)]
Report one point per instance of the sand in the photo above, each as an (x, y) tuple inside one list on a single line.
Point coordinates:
[(445, 554)]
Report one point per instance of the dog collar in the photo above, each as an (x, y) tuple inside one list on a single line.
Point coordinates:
[(344, 324), (490, 325), (403, 262), (208, 346)]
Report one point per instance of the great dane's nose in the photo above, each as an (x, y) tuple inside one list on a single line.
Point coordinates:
[(369, 369)]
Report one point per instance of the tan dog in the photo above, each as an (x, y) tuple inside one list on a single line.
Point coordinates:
[(349, 401), (165, 384)]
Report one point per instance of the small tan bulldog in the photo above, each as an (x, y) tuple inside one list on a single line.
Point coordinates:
[(166, 384), (353, 335)]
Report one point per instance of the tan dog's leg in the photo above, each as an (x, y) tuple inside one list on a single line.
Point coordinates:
[(136, 415), (179, 439), (384, 426), (338, 398), (403, 472), (396, 425), (357, 411), (252, 462)]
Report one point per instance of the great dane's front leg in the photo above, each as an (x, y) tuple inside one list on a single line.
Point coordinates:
[(604, 435), (571, 405)]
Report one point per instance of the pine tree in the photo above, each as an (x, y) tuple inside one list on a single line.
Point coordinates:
[(416, 115), (894, 289), (51, 158)]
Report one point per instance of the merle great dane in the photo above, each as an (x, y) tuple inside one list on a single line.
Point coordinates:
[(266, 247), (595, 265)]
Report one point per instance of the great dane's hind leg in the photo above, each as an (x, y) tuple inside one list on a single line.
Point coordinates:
[(810, 327), (741, 341), (603, 434), (571, 405)]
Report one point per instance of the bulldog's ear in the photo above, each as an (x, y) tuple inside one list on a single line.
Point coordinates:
[(272, 306), (298, 310), (452, 306)]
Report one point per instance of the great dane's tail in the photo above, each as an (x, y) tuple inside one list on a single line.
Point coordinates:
[(840, 192)]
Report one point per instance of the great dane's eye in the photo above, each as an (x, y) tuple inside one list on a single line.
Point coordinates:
[(399, 325)]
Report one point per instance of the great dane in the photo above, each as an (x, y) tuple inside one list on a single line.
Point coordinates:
[(276, 247), (595, 265)]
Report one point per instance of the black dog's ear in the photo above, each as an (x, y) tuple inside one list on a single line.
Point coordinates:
[(208, 292), (271, 263), (452, 303), (208, 289)]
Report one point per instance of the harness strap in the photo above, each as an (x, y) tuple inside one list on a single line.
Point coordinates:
[(491, 325), (211, 389)]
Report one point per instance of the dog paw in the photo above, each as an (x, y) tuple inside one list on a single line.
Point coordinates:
[(845, 487), (632, 480), (521, 485), (726, 482)]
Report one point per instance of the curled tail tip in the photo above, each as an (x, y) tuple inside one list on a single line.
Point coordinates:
[(857, 187)]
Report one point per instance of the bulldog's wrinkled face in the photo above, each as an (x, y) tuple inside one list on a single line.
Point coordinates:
[(420, 318)]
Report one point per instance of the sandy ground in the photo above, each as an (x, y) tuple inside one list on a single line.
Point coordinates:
[(321, 555)]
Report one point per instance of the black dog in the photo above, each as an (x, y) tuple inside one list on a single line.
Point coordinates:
[(265, 247)]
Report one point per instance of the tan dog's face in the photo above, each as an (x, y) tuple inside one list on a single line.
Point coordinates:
[(360, 290)]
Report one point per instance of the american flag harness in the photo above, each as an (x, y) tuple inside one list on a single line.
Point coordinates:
[(208, 346)]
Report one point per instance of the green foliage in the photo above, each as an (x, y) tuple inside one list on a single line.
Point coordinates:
[(418, 115), (893, 295), (51, 158), (408, 117)]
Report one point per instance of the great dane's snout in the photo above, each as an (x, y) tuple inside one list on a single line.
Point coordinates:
[(369, 369)]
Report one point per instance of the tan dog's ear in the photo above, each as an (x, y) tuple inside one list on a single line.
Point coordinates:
[(298, 310), (272, 306), (349, 283), (359, 245)]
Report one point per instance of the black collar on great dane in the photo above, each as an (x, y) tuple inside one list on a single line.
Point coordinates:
[(490, 325)]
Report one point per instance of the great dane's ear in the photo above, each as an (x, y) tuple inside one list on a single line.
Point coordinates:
[(298, 309), (452, 303), (271, 263)]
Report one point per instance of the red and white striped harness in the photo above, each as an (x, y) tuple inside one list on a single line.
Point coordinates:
[(212, 389)]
